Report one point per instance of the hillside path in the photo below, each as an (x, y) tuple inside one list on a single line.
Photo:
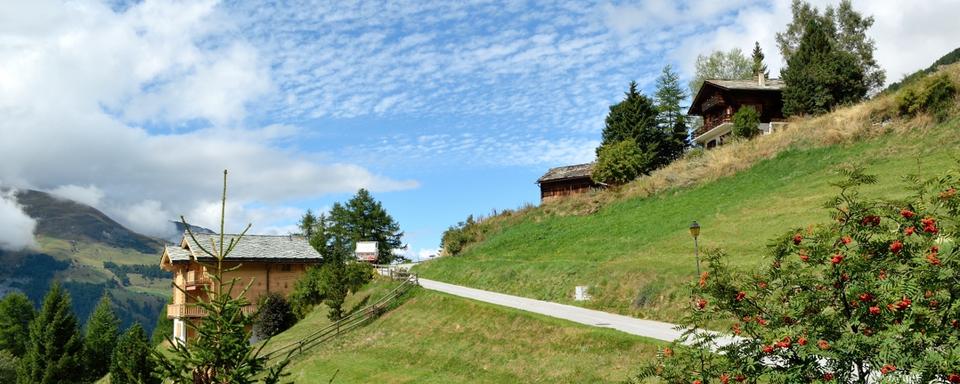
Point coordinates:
[(647, 328)]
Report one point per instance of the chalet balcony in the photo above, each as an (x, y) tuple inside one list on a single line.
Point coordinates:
[(711, 122), (192, 310), (195, 280)]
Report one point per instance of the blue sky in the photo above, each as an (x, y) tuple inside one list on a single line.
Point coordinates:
[(442, 110)]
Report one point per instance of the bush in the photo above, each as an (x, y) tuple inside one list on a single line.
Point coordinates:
[(746, 122), (619, 163), (869, 297), (274, 315), (934, 95), (458, 237)]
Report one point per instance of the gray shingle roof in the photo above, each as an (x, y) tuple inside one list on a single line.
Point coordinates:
[(567, 172), (251, 247), (769, 84), (177, 254)]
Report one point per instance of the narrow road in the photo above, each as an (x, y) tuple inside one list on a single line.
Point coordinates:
[(647, 328)]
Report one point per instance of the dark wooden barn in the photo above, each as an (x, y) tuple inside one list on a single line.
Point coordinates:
[(718, 100), (565, 181)]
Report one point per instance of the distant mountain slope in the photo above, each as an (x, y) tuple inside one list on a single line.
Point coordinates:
[(69, 220), (73, 242)]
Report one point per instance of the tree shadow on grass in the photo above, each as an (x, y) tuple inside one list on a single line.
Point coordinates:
[(360, 304)]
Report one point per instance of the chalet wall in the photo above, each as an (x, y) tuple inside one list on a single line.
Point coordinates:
[(557, 189)]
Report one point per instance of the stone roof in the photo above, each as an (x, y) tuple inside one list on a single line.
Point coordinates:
[(752, 84), (177, 254), (567, 172), (251, 247)]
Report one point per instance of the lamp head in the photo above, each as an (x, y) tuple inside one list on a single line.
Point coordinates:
[(694, 229)]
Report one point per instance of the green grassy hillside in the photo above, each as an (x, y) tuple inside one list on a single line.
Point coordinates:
[(632, 245), (437, 338)]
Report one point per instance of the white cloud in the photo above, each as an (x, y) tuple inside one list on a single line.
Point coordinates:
[(89, 195), (17, 232), (77, 81)]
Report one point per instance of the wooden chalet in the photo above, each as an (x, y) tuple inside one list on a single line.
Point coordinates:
[(718, 100), (566, 180), (273, 263)]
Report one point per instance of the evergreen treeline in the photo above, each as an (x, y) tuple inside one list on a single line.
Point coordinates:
[(49, 346), (148, 271)]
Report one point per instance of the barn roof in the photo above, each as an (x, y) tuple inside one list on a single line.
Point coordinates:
[(567, 172), (251, 247)]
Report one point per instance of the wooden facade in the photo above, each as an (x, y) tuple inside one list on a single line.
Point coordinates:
[(270, 264), (565, 181), (718, 100)]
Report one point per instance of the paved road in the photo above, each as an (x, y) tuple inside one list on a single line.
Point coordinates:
[(647, 328)]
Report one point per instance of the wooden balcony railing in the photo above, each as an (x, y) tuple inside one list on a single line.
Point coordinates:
[(711, 122), (192, 310)]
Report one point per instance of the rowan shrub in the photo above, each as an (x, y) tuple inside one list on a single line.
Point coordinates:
[(872, 296)]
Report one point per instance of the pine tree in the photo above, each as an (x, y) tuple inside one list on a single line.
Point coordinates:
[(102, 332), (55, 348), (846, 29), (363, 218), (16, 313), (672, 119), (221, 353), (758, 65), (131, 362), (636, 118), (308, 224), (819, 77)]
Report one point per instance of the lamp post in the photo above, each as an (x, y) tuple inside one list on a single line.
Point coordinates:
[(695, 232)]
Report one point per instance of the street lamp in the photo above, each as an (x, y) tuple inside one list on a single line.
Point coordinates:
[(695, 232)]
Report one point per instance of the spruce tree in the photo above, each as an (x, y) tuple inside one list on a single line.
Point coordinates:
[(672, 119), (363, 218), (307, 224), (221, 352), (758, 65), (55, 348), (847, 30), (16, 313), (101, 336), (636, 117), (819, 77), (131, 362)]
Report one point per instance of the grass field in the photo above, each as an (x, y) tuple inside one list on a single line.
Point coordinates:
[(636, 252), (437, 338)]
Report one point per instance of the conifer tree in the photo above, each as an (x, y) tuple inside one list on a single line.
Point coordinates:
[(363, 218), (308, 224), (672, 118), (221, 352), (16, 313), (636, 118), (55, 348), (101, 336), (847, 31), (758, 65), (819, 77), (131, 362)]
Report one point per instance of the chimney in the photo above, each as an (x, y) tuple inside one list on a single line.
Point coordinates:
[(761, 79)]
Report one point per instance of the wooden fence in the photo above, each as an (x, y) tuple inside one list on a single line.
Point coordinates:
[(352, 321)]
